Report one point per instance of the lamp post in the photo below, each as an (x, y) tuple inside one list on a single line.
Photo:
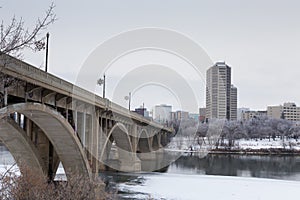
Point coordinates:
[(47, 43), (100, 82), (128, 98)]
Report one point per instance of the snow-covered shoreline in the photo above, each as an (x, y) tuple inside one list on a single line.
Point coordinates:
[(254, 146)]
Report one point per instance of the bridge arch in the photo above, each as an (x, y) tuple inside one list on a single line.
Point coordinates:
[(119, 134), (20, 146), (144, 144), (62, 137)]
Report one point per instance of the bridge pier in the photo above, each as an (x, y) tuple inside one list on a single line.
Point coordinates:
[(147, 156), (130, 165), (5, 96), (95, 142)]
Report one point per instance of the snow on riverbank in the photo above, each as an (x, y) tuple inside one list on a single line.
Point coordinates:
[(187, 144), (266, 144), (186, 187)]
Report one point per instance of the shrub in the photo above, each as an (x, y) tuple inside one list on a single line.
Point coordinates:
[(28, 185)]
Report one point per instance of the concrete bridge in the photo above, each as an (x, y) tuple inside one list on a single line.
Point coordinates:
[(45, 120)]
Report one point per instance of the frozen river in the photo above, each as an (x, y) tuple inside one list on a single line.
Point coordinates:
[(211, 177), (215, 177)]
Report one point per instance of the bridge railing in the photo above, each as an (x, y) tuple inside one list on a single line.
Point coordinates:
[(29, 73)]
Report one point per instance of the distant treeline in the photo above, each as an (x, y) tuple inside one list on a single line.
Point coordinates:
[(229, 131)]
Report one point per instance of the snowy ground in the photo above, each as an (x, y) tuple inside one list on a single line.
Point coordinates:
[(186, 187), (266, 144), (60, 174), (186, 144)]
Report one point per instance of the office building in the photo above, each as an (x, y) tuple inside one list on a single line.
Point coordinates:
[(179, 115), (221, 95), (240, 112), (162, 113), (250, 114), (287, 111), (233, 103)]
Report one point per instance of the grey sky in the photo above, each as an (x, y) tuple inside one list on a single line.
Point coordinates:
[(260, 40)]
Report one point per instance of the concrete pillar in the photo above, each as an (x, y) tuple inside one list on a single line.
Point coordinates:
[(134, 137), (5, 96), (83, 124), (88, 129), (106, 126), (67, 114), (28, 127), (75, 118), (95, 142), (101, 141), (151, 142), (159, 139)]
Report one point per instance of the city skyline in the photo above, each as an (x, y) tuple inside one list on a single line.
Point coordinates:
[(262, 48)]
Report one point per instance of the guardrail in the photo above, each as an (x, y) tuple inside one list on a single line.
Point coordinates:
[(25, 71)]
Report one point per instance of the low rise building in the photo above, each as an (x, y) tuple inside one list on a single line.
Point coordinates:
[(288, 111), (240, 112), (250, 114), (194, 116), (179, 115)]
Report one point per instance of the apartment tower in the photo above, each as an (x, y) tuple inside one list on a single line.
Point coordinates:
[(221, 95)]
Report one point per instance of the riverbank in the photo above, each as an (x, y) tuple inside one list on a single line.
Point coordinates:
[(243, 151), (242, 146), (270, 151)]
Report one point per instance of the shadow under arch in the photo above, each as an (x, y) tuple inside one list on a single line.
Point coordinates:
[(59, 132), (119, 135), (143, 145), (155, 142), (21, 147)]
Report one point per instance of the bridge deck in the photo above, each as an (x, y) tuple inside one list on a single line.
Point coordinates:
[(24, 71)]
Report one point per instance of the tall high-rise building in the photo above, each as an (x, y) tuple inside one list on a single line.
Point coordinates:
[(233, 103), (221, 96)]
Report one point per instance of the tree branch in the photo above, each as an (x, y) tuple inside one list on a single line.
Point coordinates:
[(15, 37)]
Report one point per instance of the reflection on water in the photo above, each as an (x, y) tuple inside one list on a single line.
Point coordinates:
[(278, 167)]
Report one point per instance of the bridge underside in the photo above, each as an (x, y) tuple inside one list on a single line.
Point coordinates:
[(59, 139), (47, 138)]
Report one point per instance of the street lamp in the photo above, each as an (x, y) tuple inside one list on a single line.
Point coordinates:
[(100, 82), (47, 44), (128, 98)]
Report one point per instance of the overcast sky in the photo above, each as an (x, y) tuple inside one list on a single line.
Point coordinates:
[(259, 39)]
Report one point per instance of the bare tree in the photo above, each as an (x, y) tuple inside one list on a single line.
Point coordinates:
[(15, 37)]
